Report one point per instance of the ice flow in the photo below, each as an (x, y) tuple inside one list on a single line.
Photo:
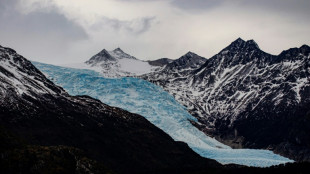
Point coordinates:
[(159, 107)]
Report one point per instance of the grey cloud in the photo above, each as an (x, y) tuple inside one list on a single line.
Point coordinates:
[(6, 6), (194, 5), (191, 5), (38, 23), (290, 7), (139, 0), (136, 26), (39, 34), (285, 5)]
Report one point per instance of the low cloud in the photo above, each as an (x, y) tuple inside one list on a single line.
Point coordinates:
[(135, 26), (196, 5)]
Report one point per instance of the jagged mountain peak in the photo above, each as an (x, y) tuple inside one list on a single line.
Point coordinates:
[(294, 54), (252, 43), (103, 55), (118, 53), (104, 51), (305, 49), (239, 52), (116, 63), (190, 54), (239, 40), (188, 61), (305, 46), (240, 44), (160, 62), (118, 49)]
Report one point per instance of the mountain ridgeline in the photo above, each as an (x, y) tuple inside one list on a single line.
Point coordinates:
[(44, 116), (242, 96), (247, 98)]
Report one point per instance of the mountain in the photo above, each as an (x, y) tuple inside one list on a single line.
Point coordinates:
[(247, 98), (175, 69), (103, 55), (160, 62), (189, 61), (54, 124), (116, 63), (160, 108), (237, 85)]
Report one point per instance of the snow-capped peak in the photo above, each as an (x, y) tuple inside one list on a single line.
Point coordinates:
[(115, 63), (102, 56), (120, 54), (242, 87), (118, 50)]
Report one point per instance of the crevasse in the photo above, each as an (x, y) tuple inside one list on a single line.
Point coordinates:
[(159, 107)]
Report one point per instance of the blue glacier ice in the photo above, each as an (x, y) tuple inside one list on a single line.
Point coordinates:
[(159, 107)]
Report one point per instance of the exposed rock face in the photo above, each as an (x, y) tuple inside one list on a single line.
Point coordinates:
[(160, 62), (189, 61), (43, 114), (248, 98), (103, 55)]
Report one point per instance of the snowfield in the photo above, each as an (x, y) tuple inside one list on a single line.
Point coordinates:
[(159, 107), (116, 63)]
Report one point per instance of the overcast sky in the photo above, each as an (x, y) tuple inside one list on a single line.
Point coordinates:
[(71, 31)]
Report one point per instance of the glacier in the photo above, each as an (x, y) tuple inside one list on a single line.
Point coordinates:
[(157, 106)]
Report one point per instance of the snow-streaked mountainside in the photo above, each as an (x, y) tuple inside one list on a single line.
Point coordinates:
[(239, 75), (18, 76), (43, 114), (160, 62), (116, 63), (242, 96), (248, 98), (160, 108)]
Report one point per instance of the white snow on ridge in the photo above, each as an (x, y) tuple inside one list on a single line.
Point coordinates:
[(122, 65), (17, 79), (136, 67)]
